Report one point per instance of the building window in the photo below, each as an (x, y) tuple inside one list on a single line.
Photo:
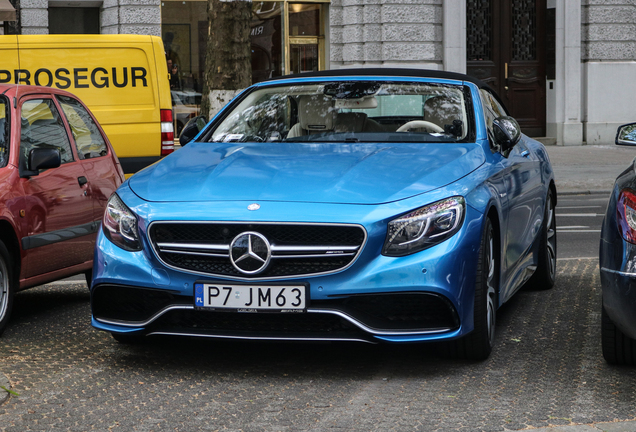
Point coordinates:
[(74, 20), (286, 38)]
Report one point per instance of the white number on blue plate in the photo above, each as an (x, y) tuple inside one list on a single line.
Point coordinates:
[(248, 298)]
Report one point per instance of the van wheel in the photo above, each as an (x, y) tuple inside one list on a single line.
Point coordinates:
[(618, 348), (7, 286), (477, 345)]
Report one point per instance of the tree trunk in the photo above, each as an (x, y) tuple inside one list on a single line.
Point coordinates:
[(228, 63)]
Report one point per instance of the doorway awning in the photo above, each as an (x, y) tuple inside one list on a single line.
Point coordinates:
[(7, 12)]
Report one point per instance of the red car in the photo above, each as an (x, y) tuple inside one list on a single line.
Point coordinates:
[(57, 171)]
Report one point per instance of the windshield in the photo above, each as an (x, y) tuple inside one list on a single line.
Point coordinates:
[(5, 136), (350, 111)]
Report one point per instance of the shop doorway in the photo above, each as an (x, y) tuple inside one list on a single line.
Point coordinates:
[(506, 48)]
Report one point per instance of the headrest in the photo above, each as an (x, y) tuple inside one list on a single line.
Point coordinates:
[(315, 113), (350, 122), (442, 110)]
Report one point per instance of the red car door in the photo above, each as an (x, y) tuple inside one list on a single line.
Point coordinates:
[(100, 164), (61, 230)]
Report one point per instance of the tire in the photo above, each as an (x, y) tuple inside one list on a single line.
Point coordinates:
[(477, 345), (7, 286), (88, 274), (128, 339), (545, 274), (618, 348)]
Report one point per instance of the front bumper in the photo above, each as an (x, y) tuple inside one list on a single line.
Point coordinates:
[(425, 296)]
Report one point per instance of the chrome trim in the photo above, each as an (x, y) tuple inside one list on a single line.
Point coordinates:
[(195, 253), (375, 331), (313, 248), (150, 320), (220, 247), (618, 272), (343, 315), (154, 249), (305, 339), (312, 256)]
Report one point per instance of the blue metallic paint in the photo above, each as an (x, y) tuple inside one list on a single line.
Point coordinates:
[(480, 175)]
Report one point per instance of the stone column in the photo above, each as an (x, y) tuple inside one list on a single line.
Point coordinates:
[(568, 73), (34, 16), (454, 35), (131, 17)]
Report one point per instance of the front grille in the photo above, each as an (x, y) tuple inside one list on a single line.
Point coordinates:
[(296, 249)]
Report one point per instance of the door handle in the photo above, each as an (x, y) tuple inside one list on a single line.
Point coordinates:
[(82, 180)]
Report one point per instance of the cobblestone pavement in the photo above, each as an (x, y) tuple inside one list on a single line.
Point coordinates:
[(546, 370)]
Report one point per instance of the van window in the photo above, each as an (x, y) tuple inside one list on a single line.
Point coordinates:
[(5, 134), (42, 127), (88, 139)]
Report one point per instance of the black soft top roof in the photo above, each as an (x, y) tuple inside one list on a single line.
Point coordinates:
[(398, 72)]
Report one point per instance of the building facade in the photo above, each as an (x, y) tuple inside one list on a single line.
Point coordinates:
[(562, 67)]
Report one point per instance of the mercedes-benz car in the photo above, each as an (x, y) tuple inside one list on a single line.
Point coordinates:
[(370, 205), (618, 263)]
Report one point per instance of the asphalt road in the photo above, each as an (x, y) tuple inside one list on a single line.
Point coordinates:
[(546, 369), (579, 219)]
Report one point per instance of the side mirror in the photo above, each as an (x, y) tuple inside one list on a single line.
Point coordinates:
[(41, 158), (192, 129), (626, 135), (507, 132)]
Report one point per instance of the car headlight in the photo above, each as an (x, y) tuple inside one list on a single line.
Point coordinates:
[(424, 227), (120, 225)]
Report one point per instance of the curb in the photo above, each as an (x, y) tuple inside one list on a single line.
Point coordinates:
[(4, 395)]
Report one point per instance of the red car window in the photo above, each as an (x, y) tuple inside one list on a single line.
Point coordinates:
[(42, 127), (88, 139)]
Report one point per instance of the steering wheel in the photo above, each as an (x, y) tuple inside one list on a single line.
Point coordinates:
[(419, 124)]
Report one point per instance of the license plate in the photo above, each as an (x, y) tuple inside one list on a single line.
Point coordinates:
[(250, 298)]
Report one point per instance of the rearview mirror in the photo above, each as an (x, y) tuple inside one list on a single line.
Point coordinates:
[(192, 129), (507, 132), (626, 135)]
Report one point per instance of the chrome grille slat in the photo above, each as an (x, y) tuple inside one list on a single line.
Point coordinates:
[(296, 249)]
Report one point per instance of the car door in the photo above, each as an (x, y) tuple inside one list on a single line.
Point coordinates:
[(523, 191), (93, 153), (59, 211)]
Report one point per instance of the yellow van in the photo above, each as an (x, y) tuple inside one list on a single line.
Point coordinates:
[(123, 79)]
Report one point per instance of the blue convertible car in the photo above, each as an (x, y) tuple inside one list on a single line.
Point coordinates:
[(371, 205)]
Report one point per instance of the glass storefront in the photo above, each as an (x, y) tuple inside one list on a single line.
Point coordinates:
[(286, 38)]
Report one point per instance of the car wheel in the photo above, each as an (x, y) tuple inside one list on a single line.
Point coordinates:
[(7, 287), (88, 274), (128, 339), (545, 274), (618, 348), (477, 345)]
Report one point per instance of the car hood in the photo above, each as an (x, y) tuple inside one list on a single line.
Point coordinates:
[(352, 173)]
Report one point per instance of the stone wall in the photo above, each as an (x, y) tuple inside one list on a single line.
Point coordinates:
[(608, 39), (396, 33), (34, 16), (131, 17), (117, 16)]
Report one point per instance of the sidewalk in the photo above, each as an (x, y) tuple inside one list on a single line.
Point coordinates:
[(585, 169)]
